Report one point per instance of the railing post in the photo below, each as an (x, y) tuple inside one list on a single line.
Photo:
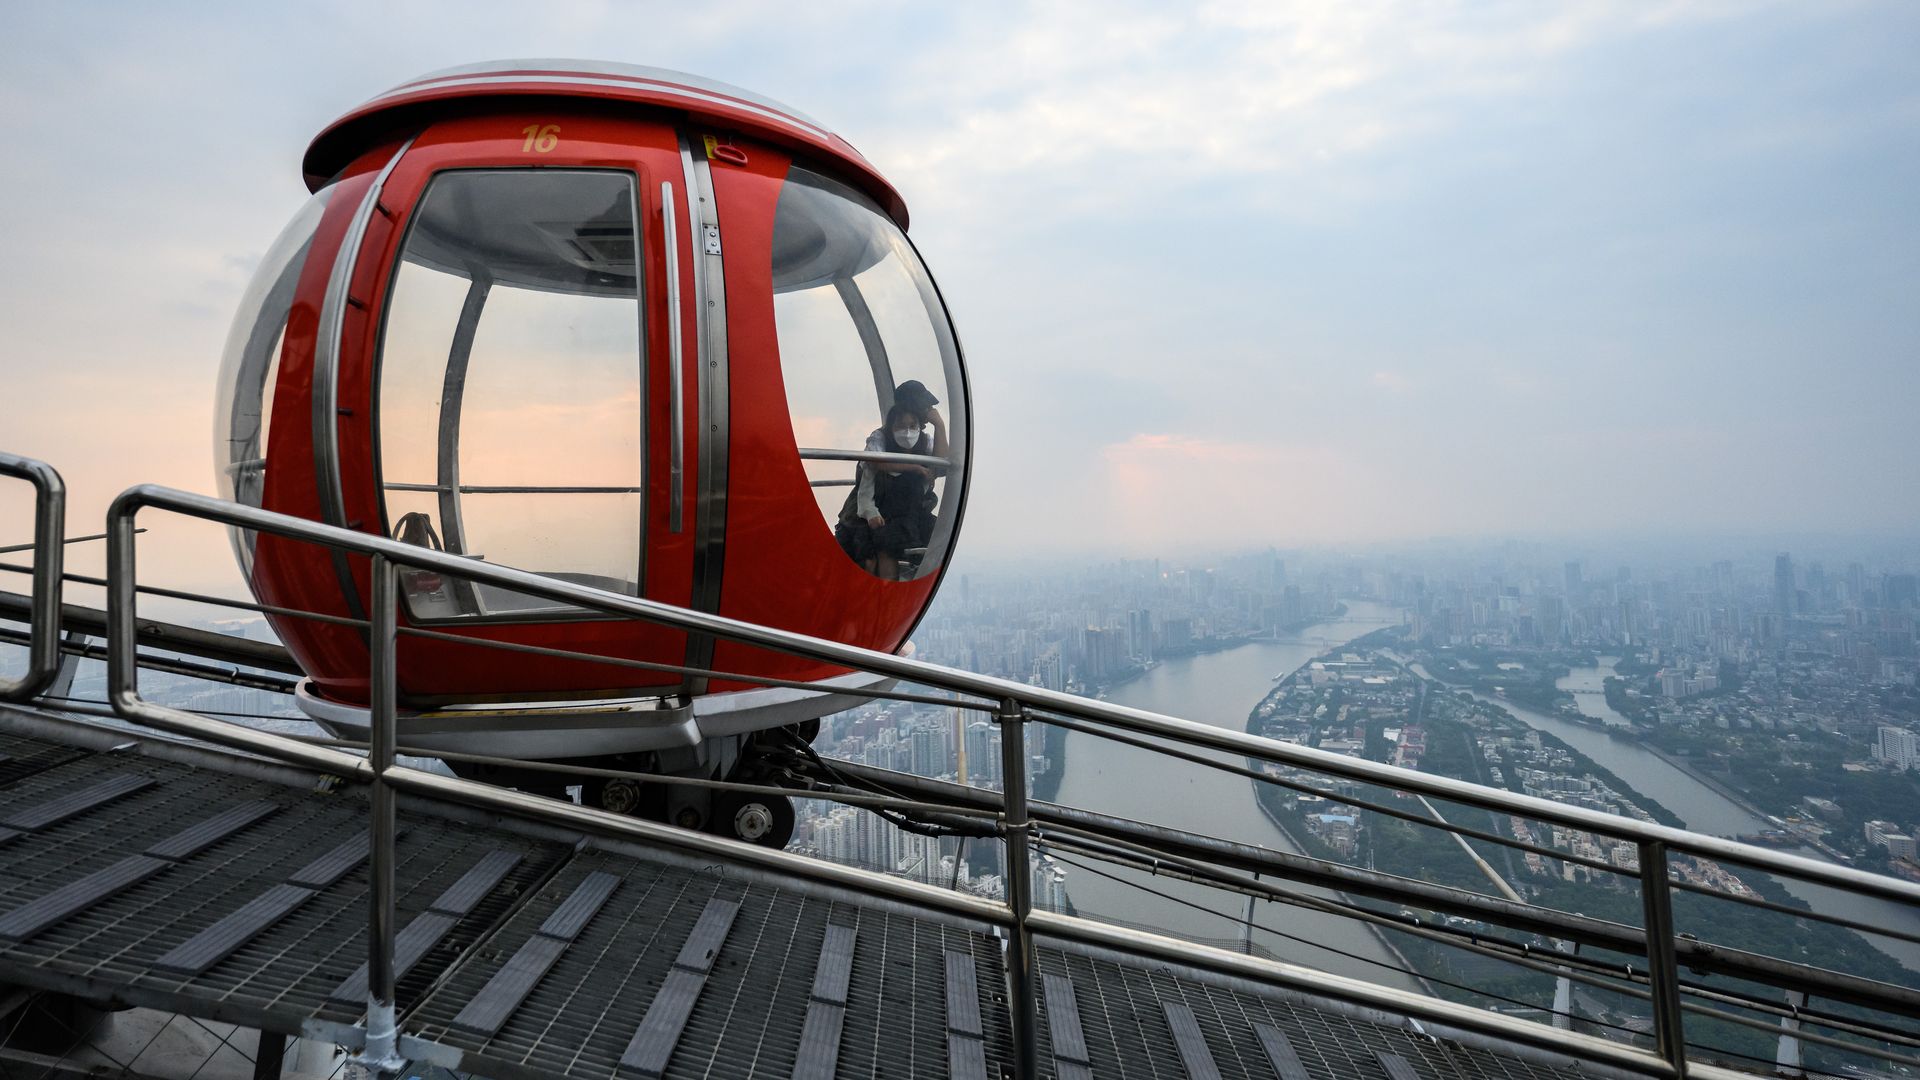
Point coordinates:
[(1012, 718), (1563, 989), (1787, 1059), (1663, 976), (49, 555), (381, 1056)]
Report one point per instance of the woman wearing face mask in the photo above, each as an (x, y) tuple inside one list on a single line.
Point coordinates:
[(891, 507)]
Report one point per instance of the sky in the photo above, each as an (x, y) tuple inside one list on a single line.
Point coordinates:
[(1229, 274)]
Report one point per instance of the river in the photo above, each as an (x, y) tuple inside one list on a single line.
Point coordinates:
[(1700, 807), (1588, 685), (1216, 688)]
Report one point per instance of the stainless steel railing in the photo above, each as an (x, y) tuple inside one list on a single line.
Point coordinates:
[(49, 552), (1012, 705)]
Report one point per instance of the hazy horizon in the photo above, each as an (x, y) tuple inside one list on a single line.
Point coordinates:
[(1239, 276)]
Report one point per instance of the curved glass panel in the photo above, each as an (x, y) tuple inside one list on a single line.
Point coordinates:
[(509, 398), (250, 364), (865, 345)]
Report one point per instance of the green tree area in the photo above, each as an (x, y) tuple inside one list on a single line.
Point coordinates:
[(1640, 678), (1532, 685), (1636, 666), (1637, 710), (1407, 849), (1778, 773)]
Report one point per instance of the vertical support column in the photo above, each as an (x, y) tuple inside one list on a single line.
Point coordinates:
[(269, 1057), (1663, 976), (49, 554), (1012, 718), (1787, 1060), (123, 644), (1563, 989), (380, 1056)]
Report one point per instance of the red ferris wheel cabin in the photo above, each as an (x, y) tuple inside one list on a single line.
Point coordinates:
[(617, 325)]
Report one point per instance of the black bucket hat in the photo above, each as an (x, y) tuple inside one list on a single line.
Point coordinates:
[(914, 395)]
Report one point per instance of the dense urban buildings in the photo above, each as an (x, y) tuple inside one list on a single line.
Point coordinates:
[(1791, 688)]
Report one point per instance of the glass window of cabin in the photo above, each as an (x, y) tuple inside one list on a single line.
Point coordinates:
[(250, 365), (857, 316), (510, 383)]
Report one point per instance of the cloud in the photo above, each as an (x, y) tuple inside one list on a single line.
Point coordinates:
[(1392, 382), (1147, 98)]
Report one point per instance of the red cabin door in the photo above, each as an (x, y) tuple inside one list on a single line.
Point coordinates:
[(532, 378)]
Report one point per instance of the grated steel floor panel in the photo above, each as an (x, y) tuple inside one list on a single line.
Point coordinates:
[(21, 756), (554, 966), (1122, 1013)]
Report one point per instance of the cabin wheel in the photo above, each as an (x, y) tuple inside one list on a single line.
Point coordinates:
[(619, 795), (756, 818)]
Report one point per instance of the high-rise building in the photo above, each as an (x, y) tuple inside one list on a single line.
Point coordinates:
[(1550, 614), (1574, 584), (927, 755), (1049, 885), (983, 755), (1140, 630), (1105, 653), (1886, 834), (1783, 584), (1049, 671), (1897, 747), (1723, 578)]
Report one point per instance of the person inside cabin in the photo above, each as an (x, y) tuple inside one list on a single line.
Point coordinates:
[(888, 517)]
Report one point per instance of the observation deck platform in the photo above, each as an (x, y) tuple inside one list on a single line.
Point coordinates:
[(149, 872), (226, 873)]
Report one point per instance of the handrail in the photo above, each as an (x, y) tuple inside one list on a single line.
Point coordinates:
[(516, 489), (1306, 870), (49, 554), (1017, 705), (875, 457), (1141, 721), (80, 619)]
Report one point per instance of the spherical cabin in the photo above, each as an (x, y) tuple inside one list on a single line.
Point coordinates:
[(617, 325)]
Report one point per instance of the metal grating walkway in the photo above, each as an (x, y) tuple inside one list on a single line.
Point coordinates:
[(543, 955)]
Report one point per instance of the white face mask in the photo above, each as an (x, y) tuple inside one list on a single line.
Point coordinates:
[(906, 437)]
